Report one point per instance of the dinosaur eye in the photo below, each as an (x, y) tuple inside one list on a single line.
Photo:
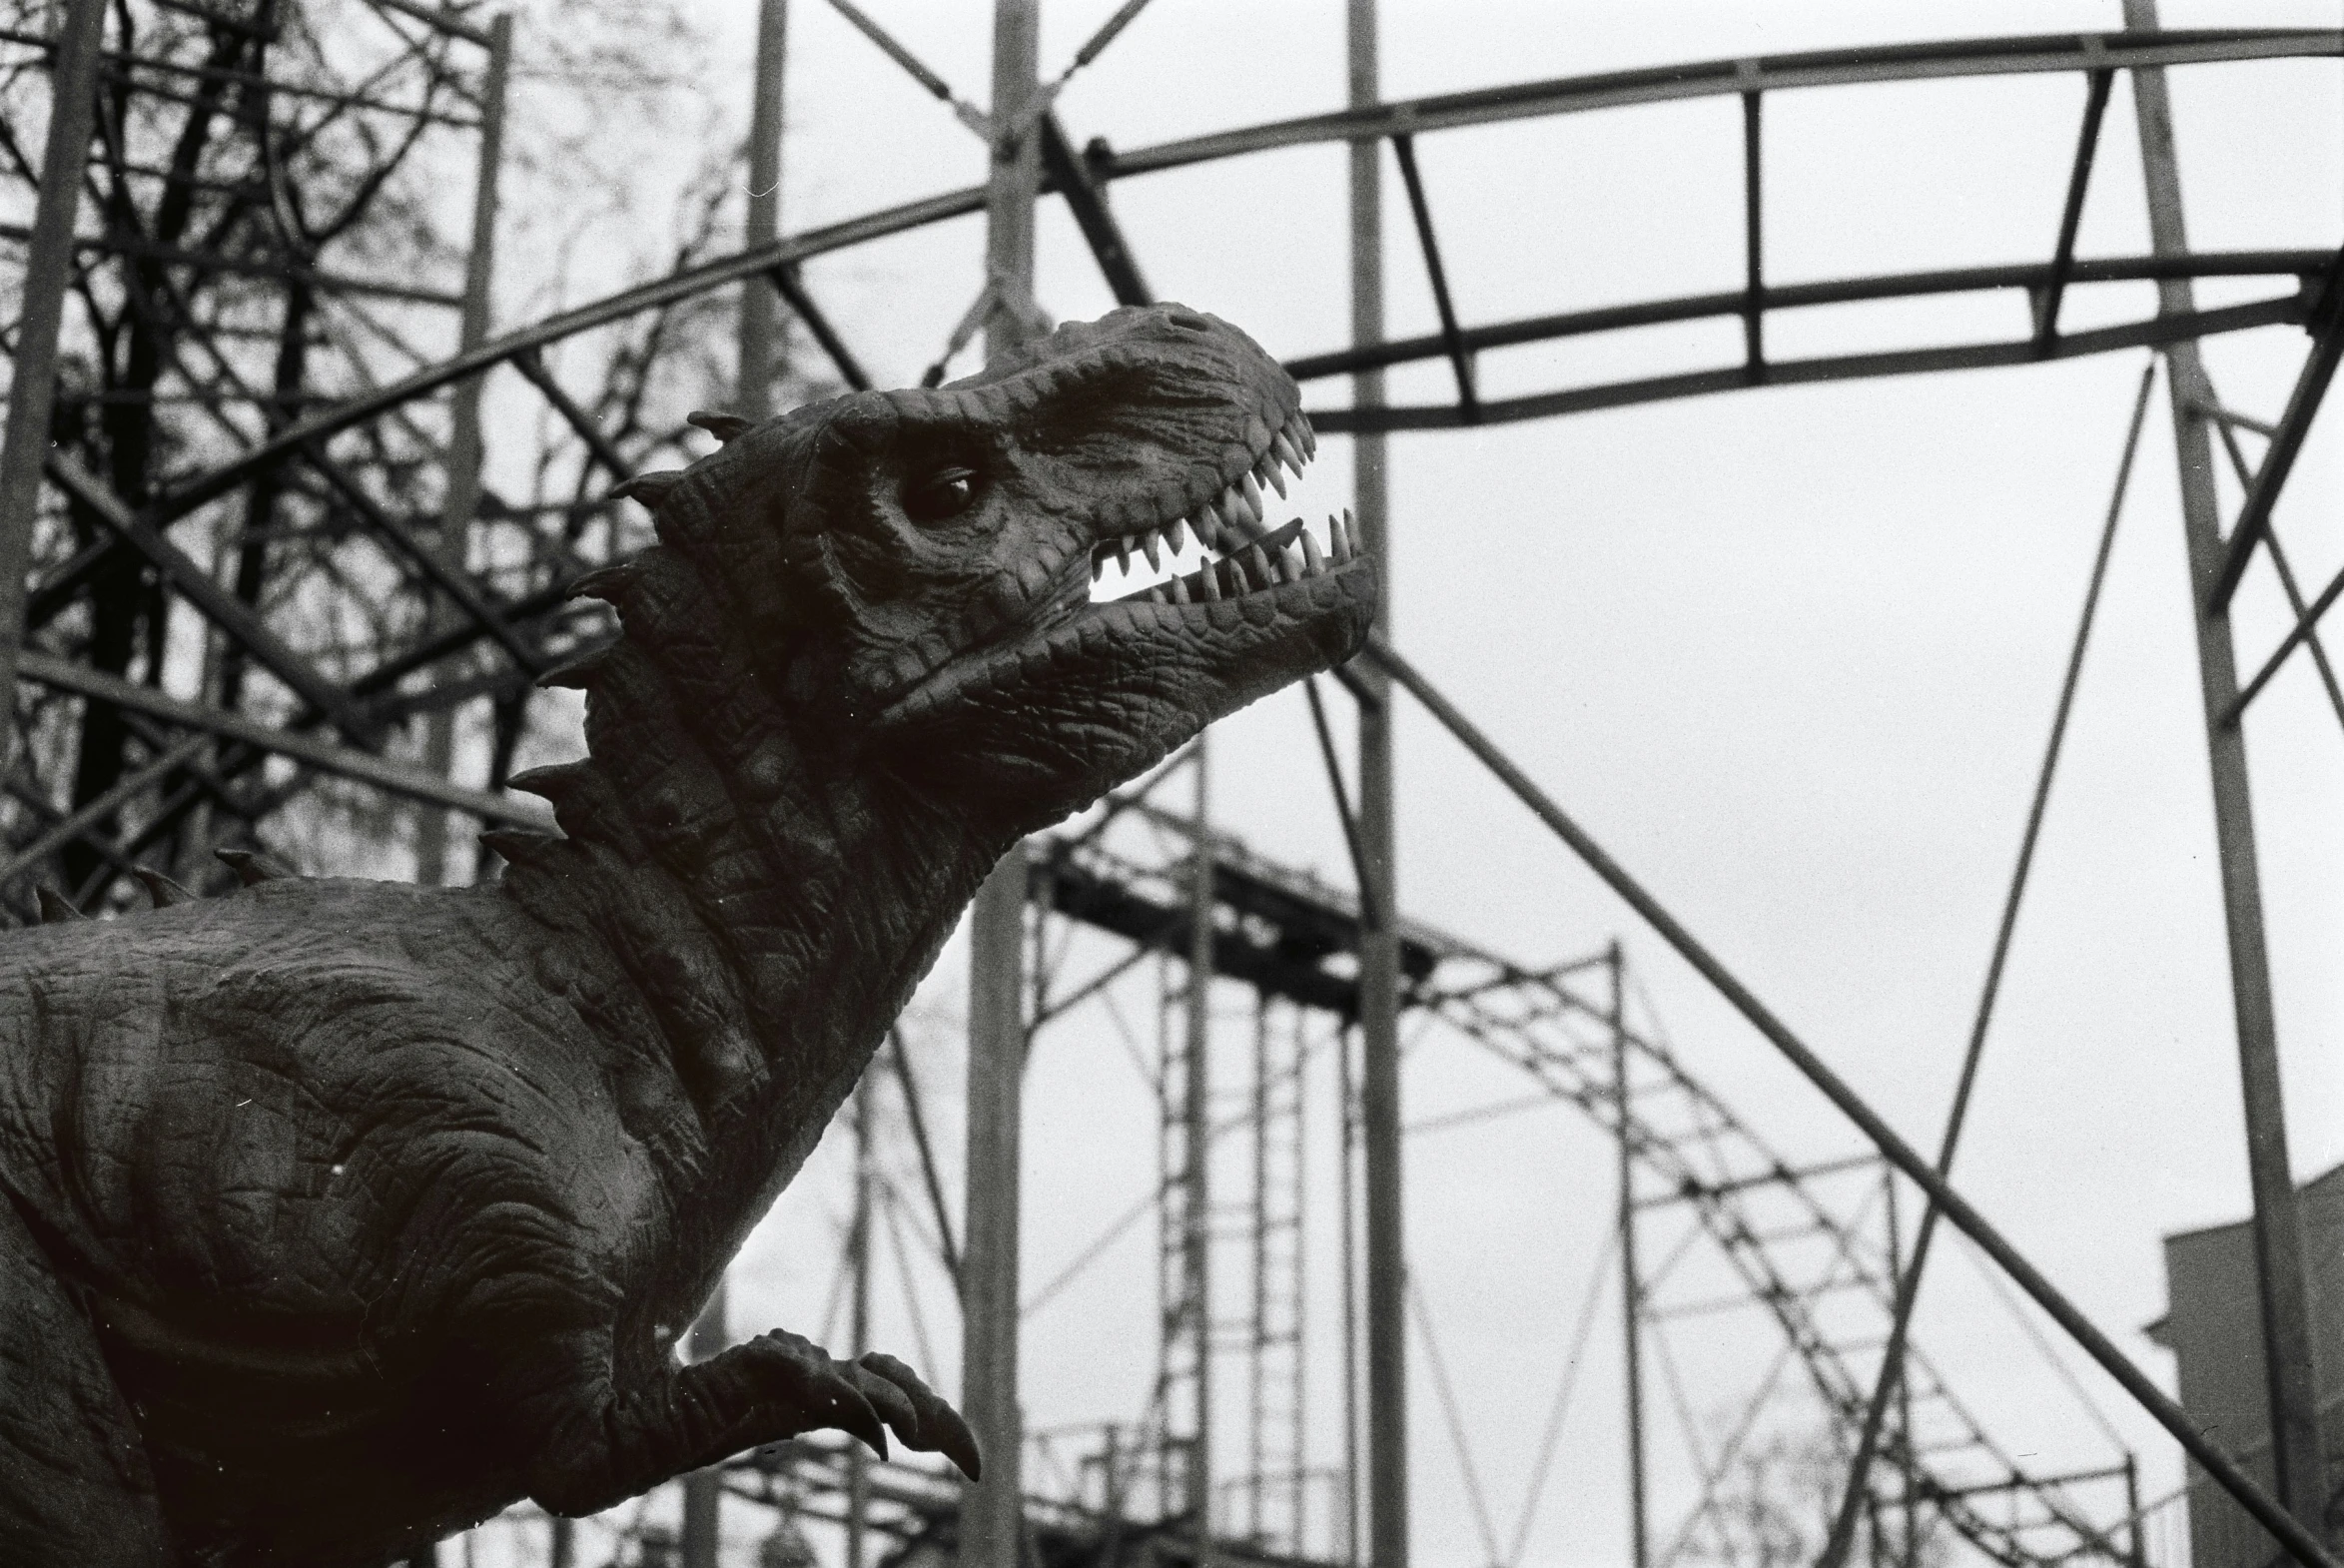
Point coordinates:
[(945, 492)]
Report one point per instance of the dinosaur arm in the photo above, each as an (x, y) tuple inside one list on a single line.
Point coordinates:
[(600, 1441)]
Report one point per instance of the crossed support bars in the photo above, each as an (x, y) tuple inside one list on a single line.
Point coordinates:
[(2298, 1540)]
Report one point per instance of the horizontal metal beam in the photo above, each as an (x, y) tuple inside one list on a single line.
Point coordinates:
[(400, 778), (1835, 368), (1766, 73), (2303, 266), (2298, 1539)]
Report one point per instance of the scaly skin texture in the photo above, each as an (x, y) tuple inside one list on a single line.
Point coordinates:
[(340, 1215)]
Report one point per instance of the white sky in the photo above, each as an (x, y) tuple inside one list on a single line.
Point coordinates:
[(1790, 654)]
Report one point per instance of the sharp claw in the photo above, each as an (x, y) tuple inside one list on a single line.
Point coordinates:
[(858, 1417), (940, 1428), (895, 1403), (958, 1444)]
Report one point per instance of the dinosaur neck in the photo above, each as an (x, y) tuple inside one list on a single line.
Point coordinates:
[(752, 910)]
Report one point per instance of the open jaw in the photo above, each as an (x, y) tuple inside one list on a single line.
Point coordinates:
[(1256, 585)]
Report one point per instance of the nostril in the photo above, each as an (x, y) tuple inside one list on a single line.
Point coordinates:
[(1187, 319)]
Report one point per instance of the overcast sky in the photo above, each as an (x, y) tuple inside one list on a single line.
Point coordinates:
[(1791, 654)]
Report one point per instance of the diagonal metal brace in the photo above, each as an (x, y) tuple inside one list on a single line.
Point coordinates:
[(2319, 369), (400, 778), (2298, 1540), (221, 608), (1085, 197)]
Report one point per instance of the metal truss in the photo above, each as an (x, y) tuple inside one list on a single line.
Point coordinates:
[(1809, 1247), (264, 467), (327, 470)]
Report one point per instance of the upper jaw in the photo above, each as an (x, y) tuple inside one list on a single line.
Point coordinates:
[(1230, 519), (1036, 595)]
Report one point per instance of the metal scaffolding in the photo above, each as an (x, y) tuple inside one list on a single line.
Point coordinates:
[(264, 594)]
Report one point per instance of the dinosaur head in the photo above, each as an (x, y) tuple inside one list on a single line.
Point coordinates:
[(913, 567)]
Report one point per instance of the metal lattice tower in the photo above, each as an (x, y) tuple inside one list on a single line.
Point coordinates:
[(1275, 1345)]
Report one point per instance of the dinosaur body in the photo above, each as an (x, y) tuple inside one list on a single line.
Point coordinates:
[(336, 1215)]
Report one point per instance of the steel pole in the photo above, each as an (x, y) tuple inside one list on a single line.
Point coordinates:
[(2300, 1469), (760, 338), (703, 1503), (1195, 1147), (48, 269), (434, 862), (1379, 951), (1631, 1284), (859, 1331), (992, 1521)]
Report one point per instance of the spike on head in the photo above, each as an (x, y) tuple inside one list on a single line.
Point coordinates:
[(252, 867), (162, 889), (56, 908), (649, 488), (726, 427)]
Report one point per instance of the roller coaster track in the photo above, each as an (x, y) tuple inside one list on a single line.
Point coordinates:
[(1291, 935)]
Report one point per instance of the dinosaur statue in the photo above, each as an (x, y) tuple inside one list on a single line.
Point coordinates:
[(341, 1214)]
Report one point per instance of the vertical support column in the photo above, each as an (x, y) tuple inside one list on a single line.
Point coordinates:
[(703, 1501), (702, 1522), (1348, 1100), (858, 1326), (992, 1519), (760, 338), (2299, 1468), (2135, 1551), (1906, 1472), (1196, 1147), (48, 269), (434, 863), (1631, 1279), (1379, 951)]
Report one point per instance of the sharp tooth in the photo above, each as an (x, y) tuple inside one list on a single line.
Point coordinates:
[(1208, 582), (1252, 496), (1209, 526), (1313, 563), (1148, 543), (1267, 470), (1307, 438), (1337, 546), (1289, 564), (1351, 532), (1179, 591), (1098, 567), (1123, 556), (1232, 510), (1257, 566), (1174, 535), (1283, 450)]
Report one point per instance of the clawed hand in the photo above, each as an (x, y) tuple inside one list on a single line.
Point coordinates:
[(866, 1398)]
